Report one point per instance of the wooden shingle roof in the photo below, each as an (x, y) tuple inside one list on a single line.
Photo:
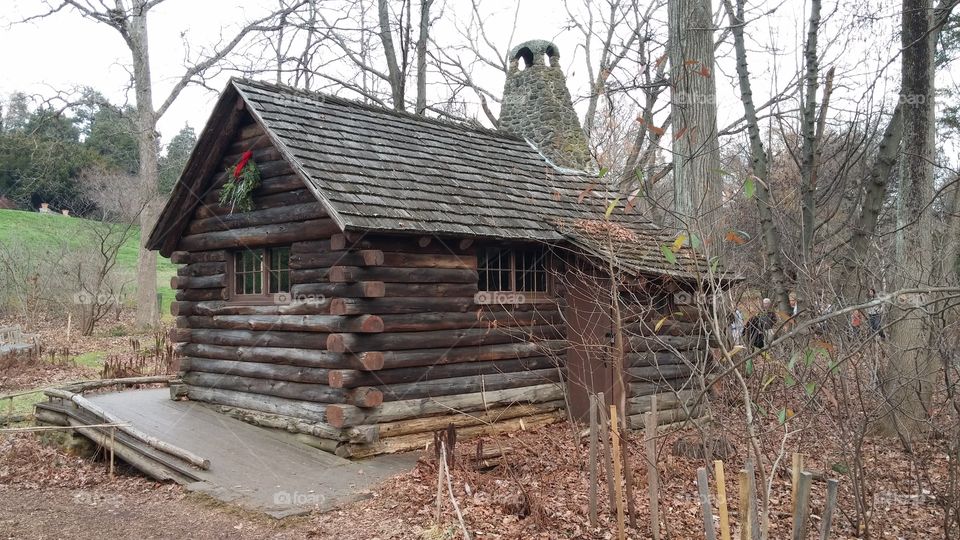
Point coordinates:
[(385, 171)]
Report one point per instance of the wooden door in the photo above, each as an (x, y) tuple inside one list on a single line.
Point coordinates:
[(589, 359)]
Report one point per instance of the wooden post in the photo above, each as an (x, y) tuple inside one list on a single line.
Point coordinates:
[(703, 486), (617, 471), (800, 511), (795, 479), (828, 509), (607, 459), (593, 460), (628, 478), (113, 443), (743, 508), (754, 512), (722, 500), (653, 475)]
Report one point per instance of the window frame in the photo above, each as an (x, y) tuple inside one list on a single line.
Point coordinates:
[(266, 275), (529, 297)]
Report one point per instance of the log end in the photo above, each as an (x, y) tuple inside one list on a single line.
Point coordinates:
[(338, 242), (338, 306), (181, 308), (335, 378), (366, 396), (338, 274), (370, 324), (371, 257), (180, 257), (336, 416), (371, 361), (336, 343), (373, 289)]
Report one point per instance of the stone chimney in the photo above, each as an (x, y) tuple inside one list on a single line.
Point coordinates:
[(537, 106)]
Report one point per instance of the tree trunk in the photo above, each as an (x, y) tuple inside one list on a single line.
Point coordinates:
[(759, 164), (148, 312), (422, 55), (696, 151), (808, 132), (911, 369), (390, 52)]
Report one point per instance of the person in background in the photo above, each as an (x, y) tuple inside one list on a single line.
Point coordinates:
[(760, 325), (736, 327), (856, 321), (875, 315)]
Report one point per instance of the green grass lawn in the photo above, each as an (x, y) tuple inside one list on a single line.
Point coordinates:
[(48, 232)]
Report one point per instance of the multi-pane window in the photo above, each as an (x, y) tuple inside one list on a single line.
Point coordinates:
[(260, 272), (514, 270)]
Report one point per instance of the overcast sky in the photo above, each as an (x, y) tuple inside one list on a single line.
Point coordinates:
[(65, 51)]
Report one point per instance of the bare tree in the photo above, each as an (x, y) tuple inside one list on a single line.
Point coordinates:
[(129, 19)]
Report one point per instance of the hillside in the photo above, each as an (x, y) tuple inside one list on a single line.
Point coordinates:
[(46, 233)]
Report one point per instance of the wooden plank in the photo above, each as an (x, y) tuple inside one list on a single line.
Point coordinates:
[(617, 471), (829, 507), (653, 474), (743, 509), (706, 509), (722, 500), (803, 501), (592, 462)]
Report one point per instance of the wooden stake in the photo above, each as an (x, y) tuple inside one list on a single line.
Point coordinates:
[(113, 442), (803, 500), (617, 471), (653, 475), (795, 479), (593, 461), (828, 510), (628, 478), (754, 512), (703, 486), (743, 509), (607, 459), (722, 500)]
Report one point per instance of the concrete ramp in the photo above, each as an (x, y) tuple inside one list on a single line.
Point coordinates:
[(256, 468)]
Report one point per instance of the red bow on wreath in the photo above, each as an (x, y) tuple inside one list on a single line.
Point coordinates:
[(243, 163)]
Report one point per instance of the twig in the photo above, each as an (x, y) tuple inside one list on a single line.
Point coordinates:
[(456, 507)]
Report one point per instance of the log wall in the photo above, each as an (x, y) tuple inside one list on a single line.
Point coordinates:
[(380, 341)]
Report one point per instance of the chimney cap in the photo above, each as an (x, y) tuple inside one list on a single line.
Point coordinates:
[(533, 52)]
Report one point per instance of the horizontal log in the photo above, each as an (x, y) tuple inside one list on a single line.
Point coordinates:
[(238, 220), (667, 385), (195, 257), (346, 378), (202, 269), (401, 259), (299, 307), (665, 343), (297, 195), (451, 355), (284, 355), (250, 338), (666, 400), (664, 326), (381, 306), (309, 411), (414, 441), (398, 244), (668, 416), (458, 337), (465, 419), (256, 370), (468, 385), (339, 415), (250, 131), (430, 290), (326, 259), (416, 322), (658, 373), (351, 274), (309, 275), (215, 281), (280, 233), (269, 170), (289, 323), (319, 393), (201, 295), (260, 155), (242, 144), (363, 289), (289, 424), (665, 358), (306, 247)]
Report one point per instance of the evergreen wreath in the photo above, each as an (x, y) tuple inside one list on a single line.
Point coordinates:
[(242, 179)]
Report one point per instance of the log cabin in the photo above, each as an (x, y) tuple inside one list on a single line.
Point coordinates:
[(396, 274)]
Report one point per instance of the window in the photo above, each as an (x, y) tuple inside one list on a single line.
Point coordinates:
[(261, 272), (512, 270)]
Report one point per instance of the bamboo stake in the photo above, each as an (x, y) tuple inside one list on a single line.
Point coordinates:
[(795, 479), (803, 500), (828, 510), (722, 500), (617, 471), (607, 459), (703, 487), (653, 475), (593, 461), (743, 508)]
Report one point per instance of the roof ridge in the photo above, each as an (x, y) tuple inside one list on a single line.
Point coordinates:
[(463, 124)]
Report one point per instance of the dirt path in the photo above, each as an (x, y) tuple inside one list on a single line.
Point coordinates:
[(99, 514)]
